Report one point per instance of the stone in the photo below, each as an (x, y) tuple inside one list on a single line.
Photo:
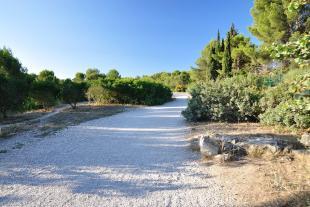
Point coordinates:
[(223, 157), (208, 147), (305, 139)]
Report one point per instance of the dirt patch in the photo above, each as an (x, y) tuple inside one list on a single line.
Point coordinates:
[(21, 117), (71, 117), (272, 181), (57, 121)]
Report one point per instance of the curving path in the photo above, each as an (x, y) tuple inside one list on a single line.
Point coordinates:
[(135, 158)]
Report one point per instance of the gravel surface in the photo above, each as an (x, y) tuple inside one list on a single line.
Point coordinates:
[(135, 158)]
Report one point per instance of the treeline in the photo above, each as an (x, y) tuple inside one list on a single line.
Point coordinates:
[(177, 80), (236, 80), (20, 91)]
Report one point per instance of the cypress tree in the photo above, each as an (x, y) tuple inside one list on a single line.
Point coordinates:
[(223, 45), (227, 60), (218, 42), (213, 65), (233, 31)]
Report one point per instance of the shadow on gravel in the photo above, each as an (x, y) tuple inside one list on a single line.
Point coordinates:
[(111, 157)]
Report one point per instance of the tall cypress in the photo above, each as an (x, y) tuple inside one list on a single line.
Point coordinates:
[(233, 31), (218, 42), (213, 64), (227, 60)]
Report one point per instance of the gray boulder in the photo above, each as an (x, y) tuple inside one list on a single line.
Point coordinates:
[(305, 139), (208, 147)]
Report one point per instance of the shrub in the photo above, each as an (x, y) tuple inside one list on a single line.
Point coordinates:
[(288, 103), (100, 94), (230, 99), (291, 113), (129, 91)]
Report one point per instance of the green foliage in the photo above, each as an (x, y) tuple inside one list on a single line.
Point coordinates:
[(270, 21), (230, 99), (93, 74), (113, 74), (100, 94), (298, 50), (176, 80), (223, 58), (45, 93), (293, 113), (227, 60), (288, 103), (73, 92), (79, 77), (129, 91), (13, 83)]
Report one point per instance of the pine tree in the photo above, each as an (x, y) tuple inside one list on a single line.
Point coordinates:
[(270, 23), (227, 60), (213, 65)]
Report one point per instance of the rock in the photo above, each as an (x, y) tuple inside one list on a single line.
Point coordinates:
[(194, 144), (305, 139), (223, 157), (208, 147)]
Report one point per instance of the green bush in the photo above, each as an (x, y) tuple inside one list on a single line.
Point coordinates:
[(291, 113), (129, 91), (231, 99), (288, 103)]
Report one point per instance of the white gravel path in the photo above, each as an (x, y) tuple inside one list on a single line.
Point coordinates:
[(135, 158)]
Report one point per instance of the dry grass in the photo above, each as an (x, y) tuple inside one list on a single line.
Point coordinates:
[(279, 179)]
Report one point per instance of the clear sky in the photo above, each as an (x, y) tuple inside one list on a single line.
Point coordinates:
[(134, 36)]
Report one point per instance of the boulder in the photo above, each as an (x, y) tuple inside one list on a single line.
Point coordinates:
[(305, 139), (223, 157), (208, 147)]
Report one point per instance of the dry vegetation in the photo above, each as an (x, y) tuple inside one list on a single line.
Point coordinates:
[(281, 180), (65, 118)]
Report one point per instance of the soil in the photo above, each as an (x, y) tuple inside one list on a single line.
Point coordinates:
[(272, 181)]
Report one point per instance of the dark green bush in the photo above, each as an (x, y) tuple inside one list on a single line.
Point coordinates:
[(129, 91)]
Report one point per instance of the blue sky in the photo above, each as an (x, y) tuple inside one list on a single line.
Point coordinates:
[(134, 36)]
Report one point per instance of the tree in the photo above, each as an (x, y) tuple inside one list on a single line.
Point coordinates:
[(213, 65), (14, 85), (218, 42), (113, 74), (100, 94), (233, 31), (72, 92), (227, 60), (243, 52), (44, 93), (47, 75), (270, 21), (93, 74), (79, 77)]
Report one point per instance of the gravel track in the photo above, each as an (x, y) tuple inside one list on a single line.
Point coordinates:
[(135, 158)]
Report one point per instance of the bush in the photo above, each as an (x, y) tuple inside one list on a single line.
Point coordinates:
[(291, 113), (129, 91), (288, 103), (230, 99), (100, 94)]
